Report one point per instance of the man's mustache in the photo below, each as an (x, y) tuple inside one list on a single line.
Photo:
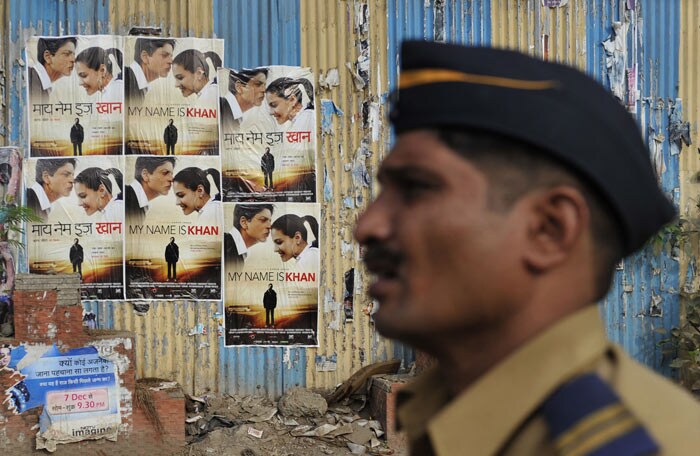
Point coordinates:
[(381, 259)]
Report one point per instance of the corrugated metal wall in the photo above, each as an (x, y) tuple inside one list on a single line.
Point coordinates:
[(644, 297), (337, 35), (557, 34), (259, 33), (360, 38)]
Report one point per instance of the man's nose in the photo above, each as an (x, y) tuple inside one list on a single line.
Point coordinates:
[(374, 223)]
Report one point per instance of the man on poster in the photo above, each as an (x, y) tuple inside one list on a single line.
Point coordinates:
[(170, 138), (267, 165), (56, 59), (172, 255), (251, 224), (53, 180), (270, 303), (153, 177), (246, 90), (76, 257), (153, 59), (77, 135)]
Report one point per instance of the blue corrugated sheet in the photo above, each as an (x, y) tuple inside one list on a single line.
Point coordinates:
[(265, 32), (644, 296), (258, 32), (458, 21), (45, 17)]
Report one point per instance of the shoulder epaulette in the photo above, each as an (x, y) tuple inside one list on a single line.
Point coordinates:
[(586, 418)]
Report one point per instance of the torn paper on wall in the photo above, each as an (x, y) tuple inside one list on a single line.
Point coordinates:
[(326, 363), (329, 80), (615, 55), (554, 3), (328, 110), (678, 131), (657, 156)]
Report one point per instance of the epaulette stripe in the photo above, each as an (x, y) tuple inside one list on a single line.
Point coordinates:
[(589, 423), (585, 417), (602, 437), (411, 78)]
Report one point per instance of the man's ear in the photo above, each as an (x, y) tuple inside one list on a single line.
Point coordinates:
[(557, 221)]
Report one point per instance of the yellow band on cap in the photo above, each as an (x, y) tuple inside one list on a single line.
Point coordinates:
[(412, 78)]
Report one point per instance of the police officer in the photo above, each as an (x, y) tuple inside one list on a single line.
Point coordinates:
[(513, 189)]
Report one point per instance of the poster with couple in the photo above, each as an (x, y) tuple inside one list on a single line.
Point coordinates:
[(174, 227), (268, 134), (171, 95), (79, 202), (271, 270), (75, 95)]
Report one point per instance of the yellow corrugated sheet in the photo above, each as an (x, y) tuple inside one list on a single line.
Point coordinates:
[(559, 34), (330, 38), (176, 17)]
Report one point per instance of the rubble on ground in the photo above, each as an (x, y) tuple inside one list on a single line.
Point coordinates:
[(253, 426)]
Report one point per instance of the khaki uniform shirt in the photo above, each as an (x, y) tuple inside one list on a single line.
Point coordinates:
[(499, 413)]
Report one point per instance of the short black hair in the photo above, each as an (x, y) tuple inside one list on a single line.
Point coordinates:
[(248, 211), (514, 168), (150, 45), (50, 165), (150, 164), (52, 45)]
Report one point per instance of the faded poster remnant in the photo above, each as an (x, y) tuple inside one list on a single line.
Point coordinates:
[(615, 54), (554, 3), (79, 392), (348, 295), (678, 131)]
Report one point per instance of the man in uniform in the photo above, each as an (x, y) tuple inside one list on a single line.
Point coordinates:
[(513, 189)]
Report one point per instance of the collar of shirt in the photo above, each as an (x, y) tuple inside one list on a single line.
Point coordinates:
[(41, 196), (240, 244), (208, 206), (485, 415), (140, 77), (235, 107), (204, 90), (140, 194), (304, 253), (43, 77)]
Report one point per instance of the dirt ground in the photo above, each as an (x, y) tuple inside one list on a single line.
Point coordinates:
[(253, 426)]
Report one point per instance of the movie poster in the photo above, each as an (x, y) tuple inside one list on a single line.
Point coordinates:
[(75, 95), (78, 390), (171, 95), (174, 227), (268, 134), (271, 258), (80, 202)]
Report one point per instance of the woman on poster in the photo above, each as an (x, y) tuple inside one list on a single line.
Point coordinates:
[(290, 238), (197, 190), (292, 100), (100, 192), (192, 70), (100, 71)]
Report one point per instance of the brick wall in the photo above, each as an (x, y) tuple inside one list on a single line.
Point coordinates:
[(48, 311)]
